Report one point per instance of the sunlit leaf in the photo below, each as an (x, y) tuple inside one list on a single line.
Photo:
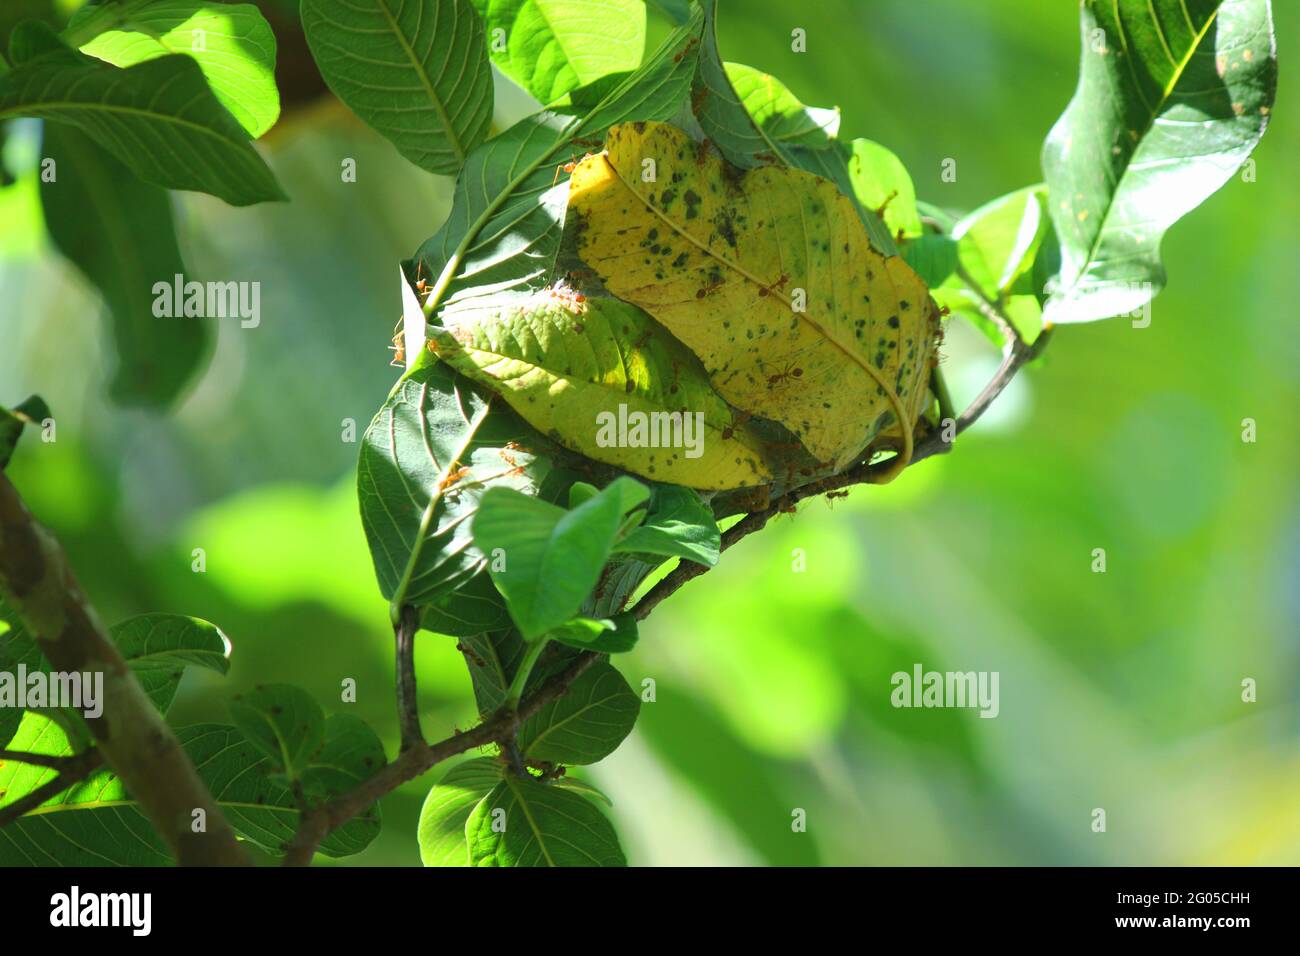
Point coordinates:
[(882, 184), (778, 113), (231, 42), (550, 47), (526, 823), (1173, 96), (447, 809), (748, 141), (499, 235), (997, 246)]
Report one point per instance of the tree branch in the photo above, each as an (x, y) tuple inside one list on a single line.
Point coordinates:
[(408, 708), (36, 580), (319, 822), (412, 762)]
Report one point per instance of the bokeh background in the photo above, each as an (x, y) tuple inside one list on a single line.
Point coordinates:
[(1119, 691)]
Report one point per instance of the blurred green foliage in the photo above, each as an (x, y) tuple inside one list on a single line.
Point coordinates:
[(1119, 690)]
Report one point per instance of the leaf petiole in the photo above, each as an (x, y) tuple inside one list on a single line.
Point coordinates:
[(516, 691)]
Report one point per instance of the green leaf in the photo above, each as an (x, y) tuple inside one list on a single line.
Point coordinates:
[(428, 457), (616, 635), (1173, 96), (503, 232), (550, 47), (283, 722), (881, 183), (472, 608), (678, 11), (678, 525), (997, 246), (568, 782), (352, 753), (521, 237), (97, 823), (415, 70), (232, 43), (581, 491), (118, 232), (157, 117), (158, 648), (777, 112), (606, 381), (492, 659), (998, 242), (30, 411), (527, 823), (447, 809), (551, 558), (109, 830), (746, 143), (585, 725), (657, 89), (933, 257), (14, 645)]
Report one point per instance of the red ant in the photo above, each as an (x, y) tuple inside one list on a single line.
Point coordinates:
[(569, 167), (784, 376), (422, 287), (736, 422), (398, 348)]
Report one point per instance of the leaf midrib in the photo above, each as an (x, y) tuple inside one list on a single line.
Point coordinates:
[(1155, 112), (891, 396), (532, 822), (417, 547), (456, 145), (29, 108)]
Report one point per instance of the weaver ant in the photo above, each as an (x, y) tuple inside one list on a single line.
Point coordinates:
[(398, 348), (784, 376), (736, 422), (569, 167)]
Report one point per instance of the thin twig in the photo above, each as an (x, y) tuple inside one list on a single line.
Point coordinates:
[(72, 770), (318, 823), (49, 761)]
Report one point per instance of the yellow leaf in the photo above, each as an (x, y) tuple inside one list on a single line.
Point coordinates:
[(768, 276), (605, 380)]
